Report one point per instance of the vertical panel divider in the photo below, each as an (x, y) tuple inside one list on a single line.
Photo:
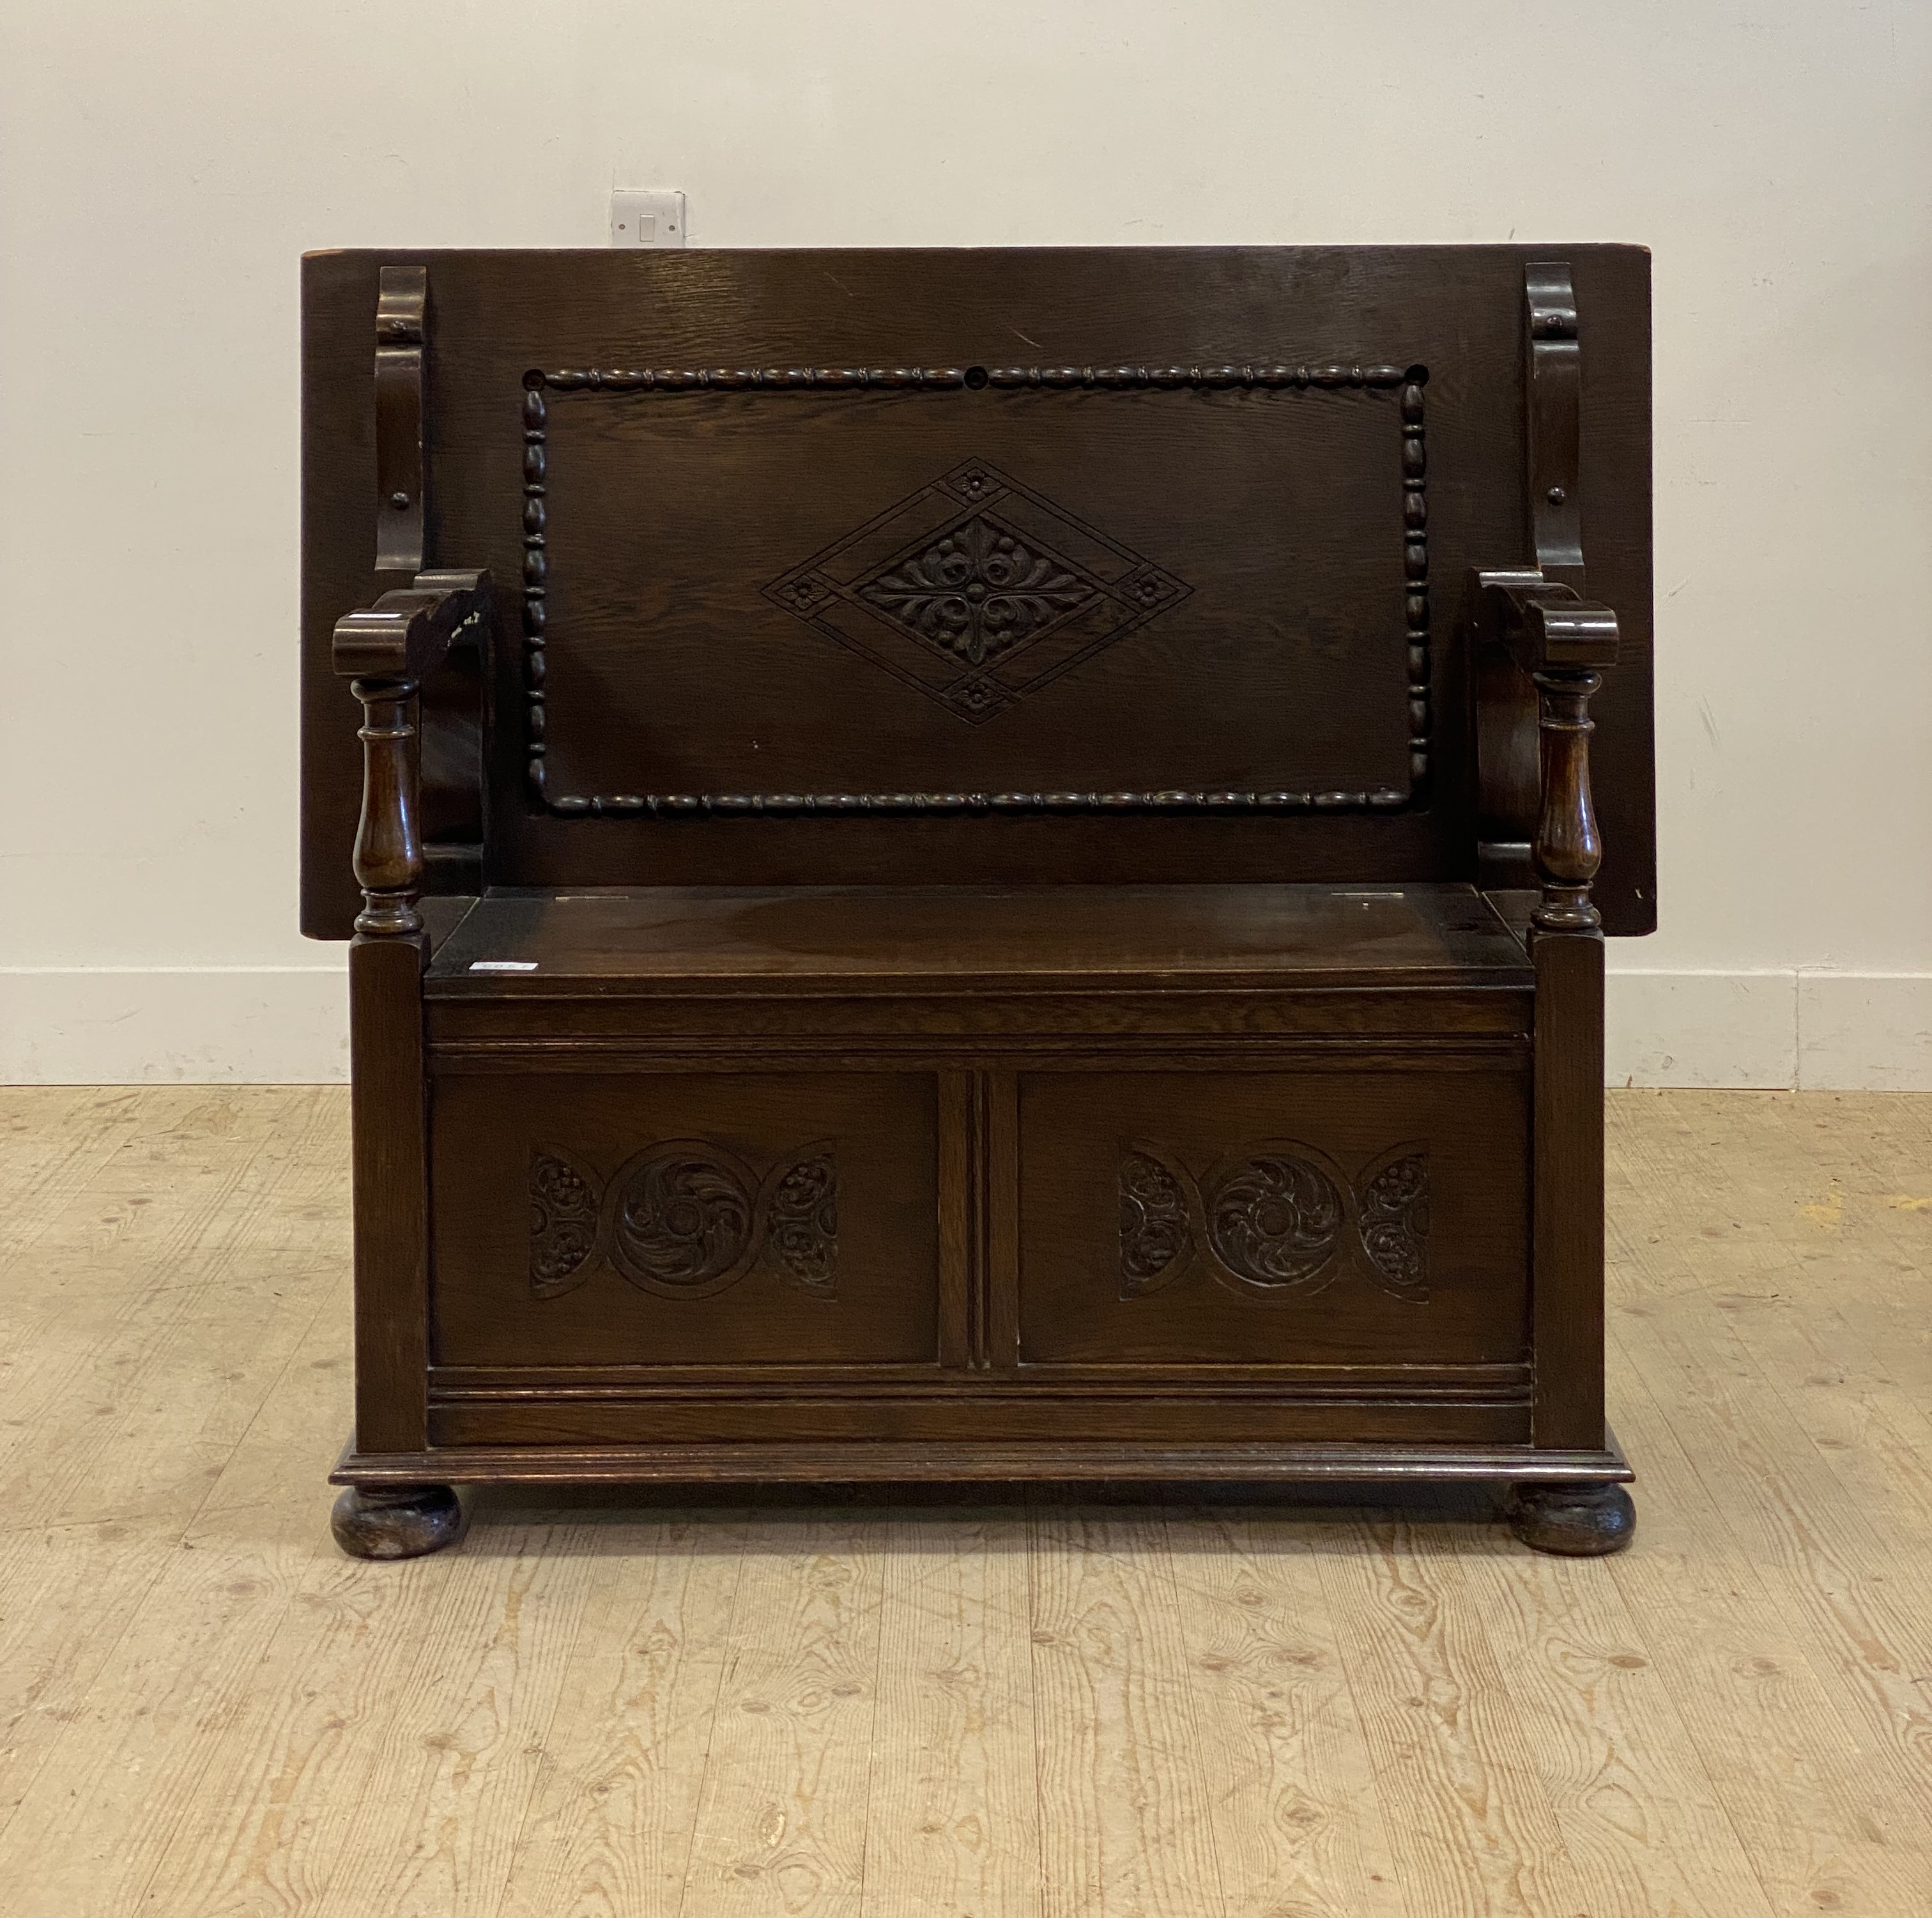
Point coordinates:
[(999, 1183), (959, 1210)]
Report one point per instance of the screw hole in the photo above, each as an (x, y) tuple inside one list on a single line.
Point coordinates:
[(976, 378), (1416, 376)]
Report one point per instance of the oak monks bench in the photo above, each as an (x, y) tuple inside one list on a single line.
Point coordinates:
[(978, 865)]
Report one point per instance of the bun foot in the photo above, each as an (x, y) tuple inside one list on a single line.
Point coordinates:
[(396, 1521), (1579, 1521)]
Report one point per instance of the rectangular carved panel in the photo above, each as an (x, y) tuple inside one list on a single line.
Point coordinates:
[(1259, 1219), (1032, 621), (684, 1220)]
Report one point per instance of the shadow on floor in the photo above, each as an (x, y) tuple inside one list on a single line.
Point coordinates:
[(1331, 1517)]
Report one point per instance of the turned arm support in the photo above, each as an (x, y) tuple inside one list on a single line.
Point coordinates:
[(386, 651), (1564, 642)]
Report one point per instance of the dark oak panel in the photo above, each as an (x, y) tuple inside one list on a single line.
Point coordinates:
[(986, 577), (1034, 1418), (958, 938), (1315, 491), (649, 1219), (1348, 1215)]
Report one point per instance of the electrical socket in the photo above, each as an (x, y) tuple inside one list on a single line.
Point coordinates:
[(647, 217)]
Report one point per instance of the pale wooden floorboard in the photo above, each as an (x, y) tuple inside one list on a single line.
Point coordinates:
[(959, 1709), (608, 1829), (782, 1819), (1298, 1823), (54, 1138), (951, 1827), (1123, 1803)]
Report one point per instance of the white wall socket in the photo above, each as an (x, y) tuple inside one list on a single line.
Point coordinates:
[(647, 217)]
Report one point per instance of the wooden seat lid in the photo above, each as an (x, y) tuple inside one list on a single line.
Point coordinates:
[(948, 939)]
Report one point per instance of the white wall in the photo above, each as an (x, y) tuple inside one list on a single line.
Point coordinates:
[(163, 164)]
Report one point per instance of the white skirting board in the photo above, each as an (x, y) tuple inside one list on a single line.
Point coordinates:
[(189, 1025), (1823, 1031), (1845, 1031)]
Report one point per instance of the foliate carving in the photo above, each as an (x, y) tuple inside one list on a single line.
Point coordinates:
[(1394, 1222), (685, 1219), (801, 1219), (988, 687), (1156, 1233), (1276, 1218), (564, 1208), (978, 591), (682, 1223), (969, 591)]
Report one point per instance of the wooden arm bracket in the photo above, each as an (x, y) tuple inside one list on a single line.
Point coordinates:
[(386, 651), (1540, 646), (402, 474)]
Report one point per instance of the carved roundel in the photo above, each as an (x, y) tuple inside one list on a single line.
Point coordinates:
[(1275, 1216), (681, 1218)]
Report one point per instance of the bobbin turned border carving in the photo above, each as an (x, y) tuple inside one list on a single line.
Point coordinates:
[(670, 382)]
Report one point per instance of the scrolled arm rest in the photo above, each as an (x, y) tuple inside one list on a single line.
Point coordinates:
[(405, 634), (386, 651), (1544, 626), (1565, 642)]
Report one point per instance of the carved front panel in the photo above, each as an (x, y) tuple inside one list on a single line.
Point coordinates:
[(614, 1219), (1377, 1214)]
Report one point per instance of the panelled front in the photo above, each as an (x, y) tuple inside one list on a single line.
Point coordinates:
[(658, 1219), (1353, 1216)]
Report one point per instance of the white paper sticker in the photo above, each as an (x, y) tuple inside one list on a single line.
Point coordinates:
[(502, 965)]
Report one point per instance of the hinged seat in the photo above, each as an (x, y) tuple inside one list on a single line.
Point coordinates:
[(947, 939)]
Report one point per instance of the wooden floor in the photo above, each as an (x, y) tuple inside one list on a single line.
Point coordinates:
[(907, 1709)]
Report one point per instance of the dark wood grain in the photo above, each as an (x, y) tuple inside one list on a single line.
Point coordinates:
[(388, 1119), (975, 938), (1458, 311), (1579, 1520), (396, 1521), (890, 1461), (1568, 1256), (941, 925)]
